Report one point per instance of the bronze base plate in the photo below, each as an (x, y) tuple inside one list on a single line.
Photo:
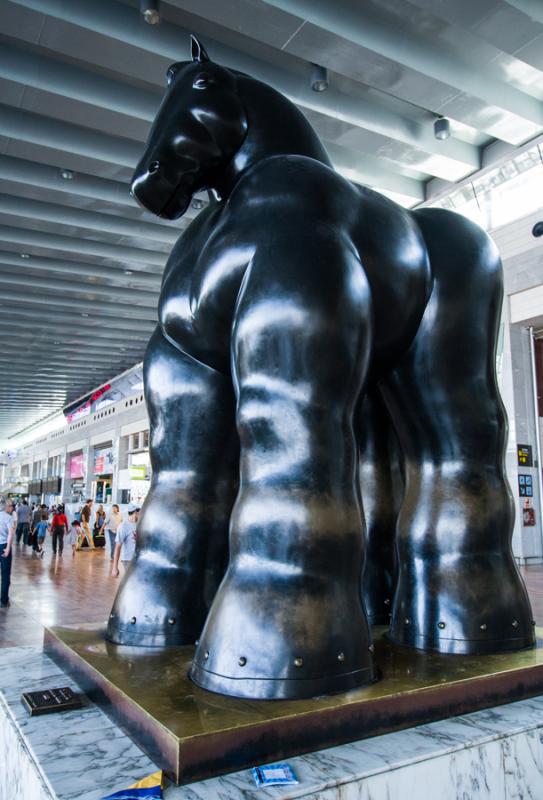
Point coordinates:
[(193, 734)]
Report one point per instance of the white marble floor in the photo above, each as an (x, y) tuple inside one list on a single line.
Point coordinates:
[(496, 753)]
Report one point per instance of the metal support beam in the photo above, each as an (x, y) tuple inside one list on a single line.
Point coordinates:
[(375, 29)]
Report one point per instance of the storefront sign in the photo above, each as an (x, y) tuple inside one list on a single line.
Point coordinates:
[(138, 472), (77, 465), (524, 455), (84, 408), (103, 461)]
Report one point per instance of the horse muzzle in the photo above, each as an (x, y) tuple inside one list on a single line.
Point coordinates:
[(162, 194)]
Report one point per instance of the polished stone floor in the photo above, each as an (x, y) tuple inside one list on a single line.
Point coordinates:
[(74, 589), (55, 591)]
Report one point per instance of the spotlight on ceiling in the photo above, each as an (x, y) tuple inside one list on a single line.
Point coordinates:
[(25, 255), (128, 272), (442, 128), (319, 78), (537, 230), (67, 174), (150, 11)]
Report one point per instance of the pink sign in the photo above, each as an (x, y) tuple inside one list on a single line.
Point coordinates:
[(77, 466)]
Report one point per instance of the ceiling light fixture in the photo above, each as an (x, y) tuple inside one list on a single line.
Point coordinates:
[(319, 78), (67, 174), (25, 255), (442, 128), (150, 11), (128, 272), (84, 315)]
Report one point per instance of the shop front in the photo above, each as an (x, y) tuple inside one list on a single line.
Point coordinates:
[(102, 486), (134, 482), (76, 477)]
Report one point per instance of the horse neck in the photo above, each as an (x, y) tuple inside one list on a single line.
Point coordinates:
[(275, 127)]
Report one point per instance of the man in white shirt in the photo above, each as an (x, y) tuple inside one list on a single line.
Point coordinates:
[(7, 530), (125, 539)]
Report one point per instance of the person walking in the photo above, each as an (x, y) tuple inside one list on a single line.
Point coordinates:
[(39, 533), (125, 541), (86, 532), (75, 536), (111, 525), (7, 531), (59, 526), (37, 514), (23, 523)]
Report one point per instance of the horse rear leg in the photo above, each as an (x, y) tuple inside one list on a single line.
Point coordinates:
[(459, 590), (381, 487)]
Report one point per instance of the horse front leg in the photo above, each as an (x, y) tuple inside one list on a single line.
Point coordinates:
[(288, 620), (183, 530)]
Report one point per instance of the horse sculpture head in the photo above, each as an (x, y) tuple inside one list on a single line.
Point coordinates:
[(199, 127)]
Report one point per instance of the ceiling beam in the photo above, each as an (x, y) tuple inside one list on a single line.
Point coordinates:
[(91, 324), (372, 28), (76, 289), (100, 302), (86, 220), (56, 304), (531, 8), (93, 273), (27, 239)]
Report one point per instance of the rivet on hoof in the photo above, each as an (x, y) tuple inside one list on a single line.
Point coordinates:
[(341, 656), (133, 621), (206, 655), (242, 661), (298, 662), (371, 648), (171, 621), (484, 626), (387, 602), (515, 623), (441, 625), (407, 621)]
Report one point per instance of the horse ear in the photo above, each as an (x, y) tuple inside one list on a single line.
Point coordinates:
[(197, 50)]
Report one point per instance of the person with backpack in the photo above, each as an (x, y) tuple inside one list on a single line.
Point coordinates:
[(59, 526)]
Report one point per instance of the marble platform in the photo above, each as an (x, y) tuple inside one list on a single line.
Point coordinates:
[(194, 735), (496, 753)]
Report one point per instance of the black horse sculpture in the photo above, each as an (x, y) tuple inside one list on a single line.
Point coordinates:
[(302, 319)]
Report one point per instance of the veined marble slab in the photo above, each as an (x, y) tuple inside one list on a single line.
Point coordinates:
[(495, 753)]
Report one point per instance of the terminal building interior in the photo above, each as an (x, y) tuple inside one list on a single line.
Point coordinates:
[(430, 104)]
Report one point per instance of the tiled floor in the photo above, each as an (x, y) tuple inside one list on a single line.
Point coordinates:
[(69, 590), (55, 591)]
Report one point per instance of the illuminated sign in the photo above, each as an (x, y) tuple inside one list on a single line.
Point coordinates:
[(77, 465), (103, 461), (138, 472), (524, 455), (84, 408)]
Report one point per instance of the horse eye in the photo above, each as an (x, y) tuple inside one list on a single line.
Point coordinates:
[(201, 83)]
